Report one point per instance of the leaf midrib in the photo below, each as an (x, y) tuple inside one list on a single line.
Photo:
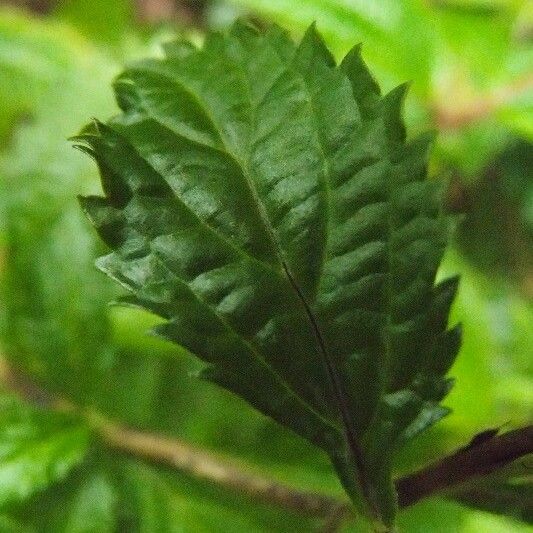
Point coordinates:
[(336, 382)]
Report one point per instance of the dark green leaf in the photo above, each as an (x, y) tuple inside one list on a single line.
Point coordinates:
[(271, 210), (510, 498)]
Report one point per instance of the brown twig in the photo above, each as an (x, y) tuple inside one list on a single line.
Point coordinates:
[(465, 465), (37, 6), (481, 457), (185, 12), (444, 475), (155, 11), (206, 465)]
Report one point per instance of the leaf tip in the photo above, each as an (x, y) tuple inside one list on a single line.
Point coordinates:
[(313, 47)]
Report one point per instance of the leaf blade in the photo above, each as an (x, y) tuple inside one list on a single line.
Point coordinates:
[(279, 221), (36, 450)]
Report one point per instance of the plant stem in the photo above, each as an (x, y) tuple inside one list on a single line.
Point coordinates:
[(479, 458), (465, 464), (204, 464)]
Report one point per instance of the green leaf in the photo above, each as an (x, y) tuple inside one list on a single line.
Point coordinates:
[(442, 516), (11, 525), (84, 502), (156, 504), (37, 449), (55, 323), (99, 20), (92, 508), (30, 63), (35, 58), (502, 494), (111, 493), (266, 203)]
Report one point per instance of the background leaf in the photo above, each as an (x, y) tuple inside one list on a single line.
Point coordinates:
[(455, 53), (37, 449)]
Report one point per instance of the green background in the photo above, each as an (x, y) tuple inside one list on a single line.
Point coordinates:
[(469, 63)]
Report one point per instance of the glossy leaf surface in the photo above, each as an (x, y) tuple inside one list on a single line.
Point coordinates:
[(266, 203)]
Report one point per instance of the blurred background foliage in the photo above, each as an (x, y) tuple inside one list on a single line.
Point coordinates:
[(470, 65)]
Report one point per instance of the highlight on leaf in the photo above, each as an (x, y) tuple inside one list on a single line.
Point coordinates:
[(265, 201)]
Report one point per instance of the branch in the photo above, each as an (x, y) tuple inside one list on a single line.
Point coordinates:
[(155, 11), (464, 465), (485, 454), (203, 464), (468, 463), (197, 462)]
